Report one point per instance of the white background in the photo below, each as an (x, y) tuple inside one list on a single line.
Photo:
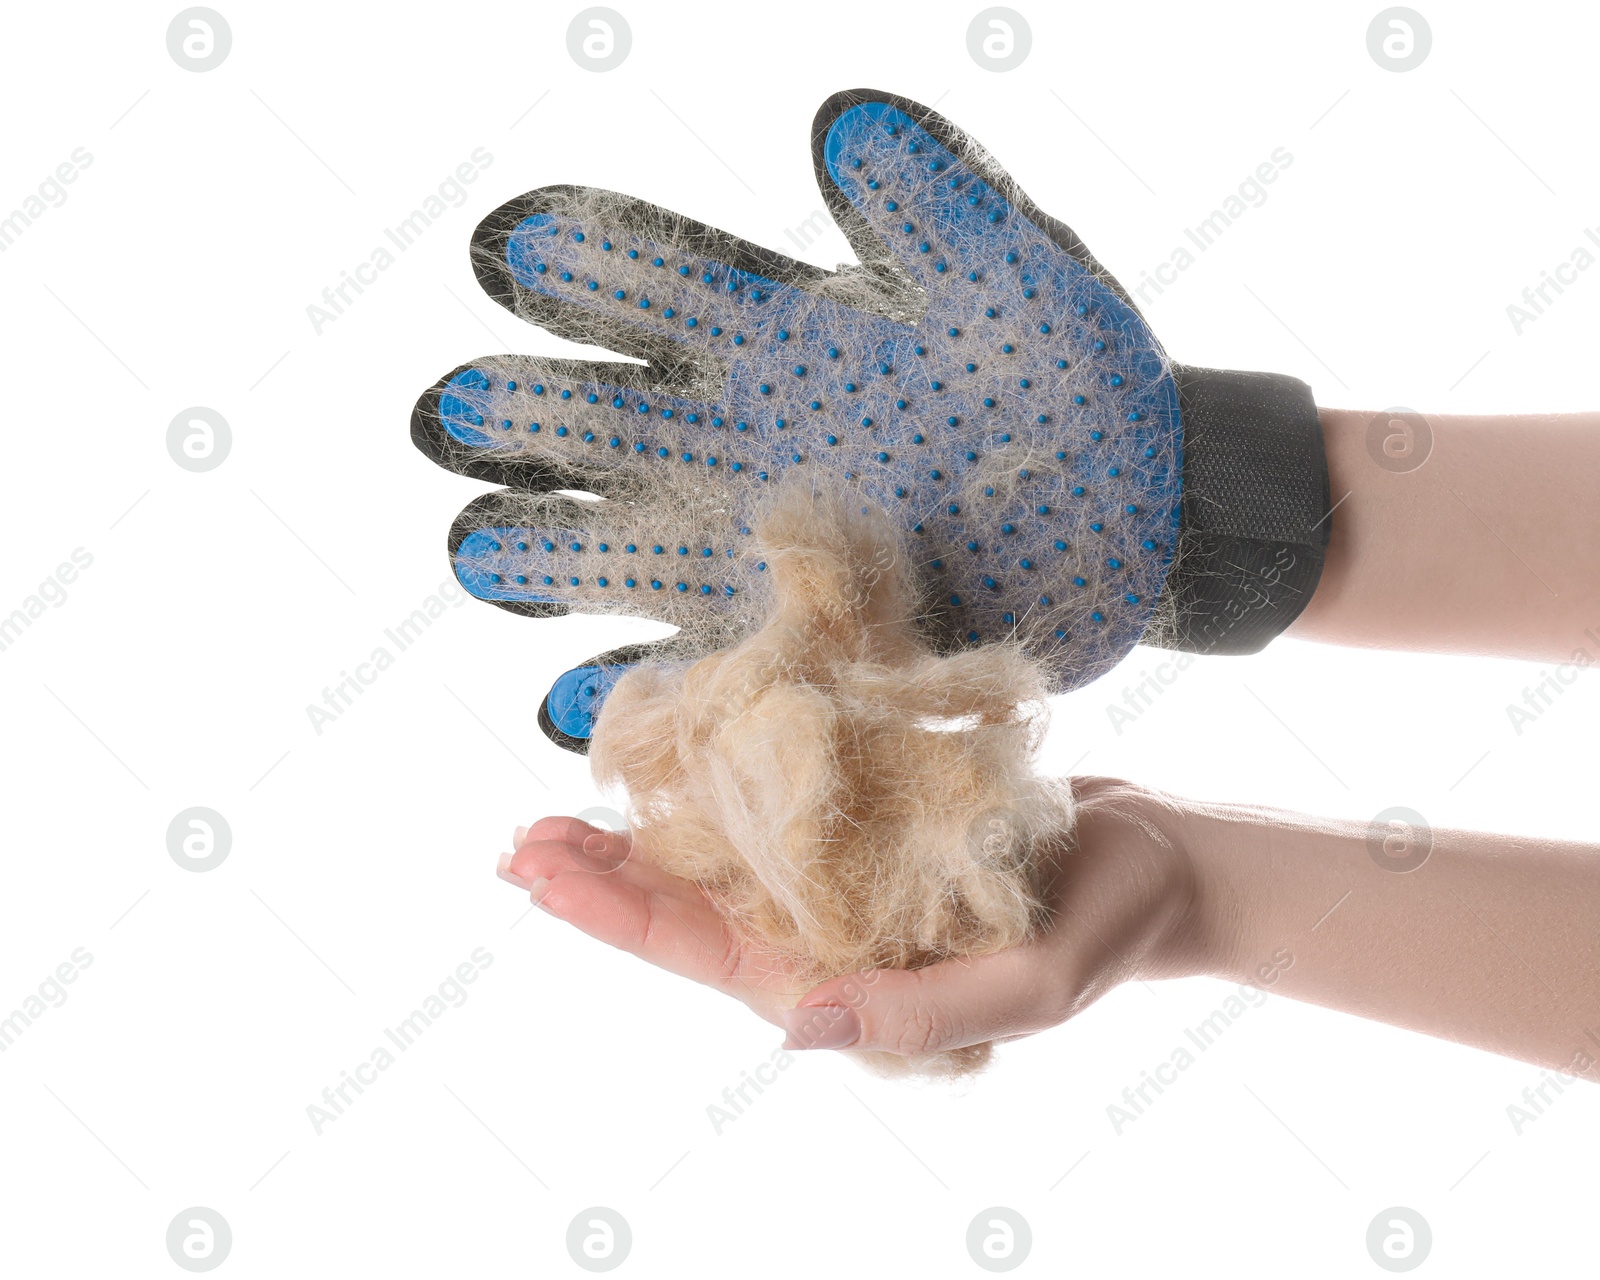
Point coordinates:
[(177, 672)]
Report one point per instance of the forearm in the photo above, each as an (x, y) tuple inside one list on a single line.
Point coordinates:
[(1489, 545), (1493, 941)]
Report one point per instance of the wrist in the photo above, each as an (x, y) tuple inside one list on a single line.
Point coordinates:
[(1213, 934), (1147, 842)]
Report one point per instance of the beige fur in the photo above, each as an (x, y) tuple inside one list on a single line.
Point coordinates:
[(849, 800)]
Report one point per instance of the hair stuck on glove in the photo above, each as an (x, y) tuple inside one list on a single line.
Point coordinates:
[(848, 798), (976, 376)]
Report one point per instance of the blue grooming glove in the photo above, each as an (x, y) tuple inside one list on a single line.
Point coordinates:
[(978, 375)]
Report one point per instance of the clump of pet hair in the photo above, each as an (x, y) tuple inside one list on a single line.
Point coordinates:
[(849, 799)]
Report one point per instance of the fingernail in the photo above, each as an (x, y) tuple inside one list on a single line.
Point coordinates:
[(821, 1026), (518, 836), (537, 888), (504, 871)]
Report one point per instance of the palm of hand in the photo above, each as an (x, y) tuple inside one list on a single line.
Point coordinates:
[(1123, 901)]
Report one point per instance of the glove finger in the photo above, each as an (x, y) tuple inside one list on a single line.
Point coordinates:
[(555, 424), (1034, 352), (544, 554), (607, 269), (915, 194), (569, 710)]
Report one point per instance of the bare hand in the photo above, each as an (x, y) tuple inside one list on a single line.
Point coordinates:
[(1122, 899)]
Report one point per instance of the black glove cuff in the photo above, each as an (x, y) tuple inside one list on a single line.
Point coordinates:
[(1255, 516)]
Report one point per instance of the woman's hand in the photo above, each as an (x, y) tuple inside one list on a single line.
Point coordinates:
[(1123, 897), (586, 876), (1485, 939)]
